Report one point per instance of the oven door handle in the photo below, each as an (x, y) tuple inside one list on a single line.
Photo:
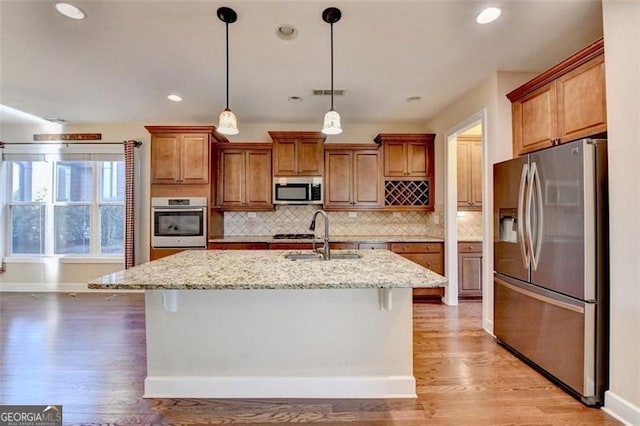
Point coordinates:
[(177, 209)]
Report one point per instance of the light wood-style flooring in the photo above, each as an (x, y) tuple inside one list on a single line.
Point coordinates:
[(86, 351)]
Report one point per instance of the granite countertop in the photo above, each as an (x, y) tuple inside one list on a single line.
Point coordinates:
[(332, 238), (269, 269)]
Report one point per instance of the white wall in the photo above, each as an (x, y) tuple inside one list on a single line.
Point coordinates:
[(622, 55), (489, 95)]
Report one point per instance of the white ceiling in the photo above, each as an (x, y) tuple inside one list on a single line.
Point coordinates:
[(119, 64)]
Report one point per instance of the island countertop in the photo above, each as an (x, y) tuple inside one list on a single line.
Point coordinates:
[(269, 269)]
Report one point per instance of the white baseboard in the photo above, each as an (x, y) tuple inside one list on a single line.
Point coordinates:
[(280, 387), (621, 409), (57, 287)]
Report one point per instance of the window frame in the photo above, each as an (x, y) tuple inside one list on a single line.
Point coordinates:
[(95, 249)]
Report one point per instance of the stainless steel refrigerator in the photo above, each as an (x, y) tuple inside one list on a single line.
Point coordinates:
[(551, 263)]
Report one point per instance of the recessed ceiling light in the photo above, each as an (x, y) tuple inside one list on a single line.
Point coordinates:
[(295, 99), (414, 99), (70, 11), (287, 32), (174, 98), (488, 15)]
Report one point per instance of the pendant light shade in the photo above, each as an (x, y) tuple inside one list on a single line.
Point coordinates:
[(228, 123), (332, 125)]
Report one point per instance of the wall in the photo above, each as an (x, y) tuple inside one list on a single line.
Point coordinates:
[(488, 96), (622, 55)]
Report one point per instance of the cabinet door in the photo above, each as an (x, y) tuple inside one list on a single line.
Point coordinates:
[(284, 158), (475, 160), (232, 170), (417, 160), (535, 120), (195, 159), (338, 179), (470, 275), (367, 179), (310, 155), (395, 159), (258, 179), (582, 109), (165, 154), (464, 174)]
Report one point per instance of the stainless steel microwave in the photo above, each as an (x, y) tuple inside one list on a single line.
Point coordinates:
[(297, 190)]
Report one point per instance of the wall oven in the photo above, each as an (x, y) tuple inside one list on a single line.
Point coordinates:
[(297, 190), (179, 222)]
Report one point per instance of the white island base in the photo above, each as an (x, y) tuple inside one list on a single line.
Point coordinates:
[(293, 343)]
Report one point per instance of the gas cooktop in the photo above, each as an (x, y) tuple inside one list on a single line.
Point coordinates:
[(293, 236)]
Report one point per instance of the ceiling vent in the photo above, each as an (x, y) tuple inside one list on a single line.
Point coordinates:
[(327, 92)]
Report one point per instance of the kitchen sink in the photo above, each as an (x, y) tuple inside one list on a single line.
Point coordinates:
[(317, 256)]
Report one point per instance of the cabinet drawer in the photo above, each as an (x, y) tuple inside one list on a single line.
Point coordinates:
[(370, 246), (474, 247), (432, 261), (238, 246), (292, 246), (416, 248), (343, 245)]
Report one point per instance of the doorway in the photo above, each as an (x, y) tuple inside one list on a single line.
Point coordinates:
[(465, 160)]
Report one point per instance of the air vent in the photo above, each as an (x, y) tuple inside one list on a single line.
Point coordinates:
[(327, 92)]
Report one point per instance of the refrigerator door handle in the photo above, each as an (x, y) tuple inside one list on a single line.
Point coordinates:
[(522, 216), (534, 245)]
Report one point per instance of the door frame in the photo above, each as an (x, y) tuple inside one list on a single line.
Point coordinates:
[(451, 203)]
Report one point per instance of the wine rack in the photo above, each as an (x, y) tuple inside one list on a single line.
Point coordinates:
[(406, 193)]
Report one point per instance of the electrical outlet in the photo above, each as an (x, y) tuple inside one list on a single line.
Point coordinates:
[(396, 214), (251, 214), (353, 214)]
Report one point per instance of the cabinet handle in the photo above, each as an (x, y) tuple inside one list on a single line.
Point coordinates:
[(404, 248)]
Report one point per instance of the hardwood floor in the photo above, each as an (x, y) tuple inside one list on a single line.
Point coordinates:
[(87, 352)]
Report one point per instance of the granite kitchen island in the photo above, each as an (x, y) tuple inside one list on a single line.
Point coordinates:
[(256, 324)]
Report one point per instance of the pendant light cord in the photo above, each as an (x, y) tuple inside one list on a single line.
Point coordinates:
[(227, 28), (331, 66)]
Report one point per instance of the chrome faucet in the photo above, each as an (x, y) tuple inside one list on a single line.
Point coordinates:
[(326, 254)]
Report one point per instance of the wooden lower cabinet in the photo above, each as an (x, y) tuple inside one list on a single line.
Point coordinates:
[(469, 270), (429, 255)]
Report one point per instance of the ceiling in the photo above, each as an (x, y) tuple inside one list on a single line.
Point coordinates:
[(119, 64)]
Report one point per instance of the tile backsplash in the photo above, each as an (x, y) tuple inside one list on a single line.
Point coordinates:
[(296, 219), (469, 225)]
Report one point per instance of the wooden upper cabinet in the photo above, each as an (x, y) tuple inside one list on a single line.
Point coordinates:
[(245, 177), (469, 176), (180, 154), (564, 103), (407, 154), (582, 107), (353, 177), (298, 153)]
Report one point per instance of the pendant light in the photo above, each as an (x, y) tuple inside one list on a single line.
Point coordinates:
[(228, 123), (332, 124)]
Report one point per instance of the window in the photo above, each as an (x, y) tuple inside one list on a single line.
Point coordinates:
[(66, 207)]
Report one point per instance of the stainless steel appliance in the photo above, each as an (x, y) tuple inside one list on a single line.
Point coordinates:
[(551, 263), (297, 190), (179, 222)]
